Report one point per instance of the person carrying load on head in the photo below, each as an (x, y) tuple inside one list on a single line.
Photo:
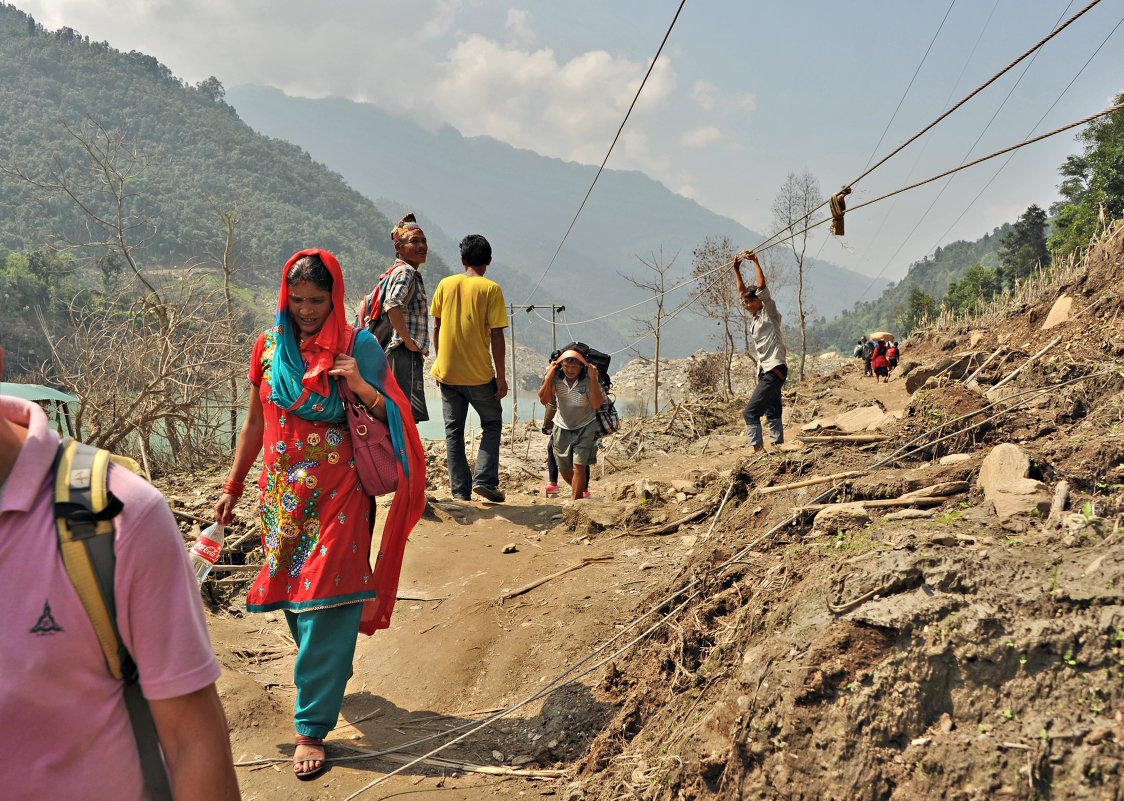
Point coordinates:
[(768, 343), (573, 386)]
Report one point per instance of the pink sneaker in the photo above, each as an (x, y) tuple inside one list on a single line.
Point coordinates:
[(585, 494), (550, 489)]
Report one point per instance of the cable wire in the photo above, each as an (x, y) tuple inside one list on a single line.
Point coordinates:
[(589, 191)]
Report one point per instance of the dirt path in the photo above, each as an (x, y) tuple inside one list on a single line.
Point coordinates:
[(456, 652)]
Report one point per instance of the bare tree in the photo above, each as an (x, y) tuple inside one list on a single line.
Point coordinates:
[(152, 358), (657, 285), (715, 294), (794, 210)]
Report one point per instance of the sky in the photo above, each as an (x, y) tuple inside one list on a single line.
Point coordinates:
[(742, 95)]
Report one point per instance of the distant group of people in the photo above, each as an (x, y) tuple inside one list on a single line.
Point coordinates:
[(879, 356)]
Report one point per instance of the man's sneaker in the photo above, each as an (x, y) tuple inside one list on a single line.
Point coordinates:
[(462, 498), (489, 494), (550, 489)]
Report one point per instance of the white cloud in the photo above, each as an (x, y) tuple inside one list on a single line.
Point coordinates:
[(518, 26), (530, 99), (706, 136), (705, 95)]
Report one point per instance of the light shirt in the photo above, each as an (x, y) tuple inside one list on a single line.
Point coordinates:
[(65, 730), (574, 407), (469, 307), (765, 331)]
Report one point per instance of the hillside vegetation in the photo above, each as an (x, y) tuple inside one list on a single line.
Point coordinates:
[(961, 278), (186, 169)]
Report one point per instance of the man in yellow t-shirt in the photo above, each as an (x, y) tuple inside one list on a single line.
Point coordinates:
[(469, 316)]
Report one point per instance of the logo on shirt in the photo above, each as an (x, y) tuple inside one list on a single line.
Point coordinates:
[(46, 623)]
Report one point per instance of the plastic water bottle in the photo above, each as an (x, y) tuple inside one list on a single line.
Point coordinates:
[(205, 552)]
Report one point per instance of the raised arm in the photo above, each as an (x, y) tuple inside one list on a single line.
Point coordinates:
[(546, 391)]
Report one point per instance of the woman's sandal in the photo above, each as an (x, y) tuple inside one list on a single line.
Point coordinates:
[(310, 742)]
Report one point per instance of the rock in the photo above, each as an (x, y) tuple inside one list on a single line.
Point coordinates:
[(590, 518), (1003, 476), (688, 487), (1020, 496), (510, 548), (975, 338), (840, 517), (1059, 312), (945, 724), (866, 418), (642, 491), (955, 458), (942, 490), (498, 756), (954, 367), (1006, 462)]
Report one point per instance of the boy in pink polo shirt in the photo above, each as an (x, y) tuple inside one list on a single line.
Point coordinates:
[(64, 730)]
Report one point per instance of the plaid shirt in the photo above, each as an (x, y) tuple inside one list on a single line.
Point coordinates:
[(416, 312)]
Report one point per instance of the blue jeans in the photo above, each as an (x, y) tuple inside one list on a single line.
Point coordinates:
[(455, 400), (766, 399)]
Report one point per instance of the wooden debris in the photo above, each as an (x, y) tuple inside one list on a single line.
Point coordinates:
[(528, 587), (667, 528), (1057, 506), (1026, 364), (844, 438), (811, 481), (803, 511)]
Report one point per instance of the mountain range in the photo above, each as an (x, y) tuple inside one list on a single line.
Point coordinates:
[(524, 202)]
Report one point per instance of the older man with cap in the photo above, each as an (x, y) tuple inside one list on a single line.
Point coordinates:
[(407, 309)]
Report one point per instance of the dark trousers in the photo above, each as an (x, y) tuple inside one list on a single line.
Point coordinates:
[(866, 366), (406, 366), (766, 400)]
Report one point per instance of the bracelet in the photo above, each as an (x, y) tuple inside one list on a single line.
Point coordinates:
[(232, 487)]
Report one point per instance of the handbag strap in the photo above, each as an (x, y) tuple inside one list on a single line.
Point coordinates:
[(345, 391)]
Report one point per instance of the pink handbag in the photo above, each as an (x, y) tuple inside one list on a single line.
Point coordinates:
[(370, 441)]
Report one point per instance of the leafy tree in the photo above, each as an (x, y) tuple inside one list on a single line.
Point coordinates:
[(1023, 249), (919, 309), (978, 283), (1092, 184)]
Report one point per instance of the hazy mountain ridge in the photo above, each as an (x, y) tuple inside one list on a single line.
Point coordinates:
[(524, 202)]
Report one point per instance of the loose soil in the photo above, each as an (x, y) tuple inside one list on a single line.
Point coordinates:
[(705, 646)]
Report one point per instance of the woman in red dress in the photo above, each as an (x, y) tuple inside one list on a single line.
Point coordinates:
[(316, 521)]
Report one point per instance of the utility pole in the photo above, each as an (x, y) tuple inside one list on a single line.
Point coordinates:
[(513, 384), (553, 310)]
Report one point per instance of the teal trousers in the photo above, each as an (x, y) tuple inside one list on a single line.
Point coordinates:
[(325, 651)]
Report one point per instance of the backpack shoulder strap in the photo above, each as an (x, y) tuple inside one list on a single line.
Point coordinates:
[(84, 512)]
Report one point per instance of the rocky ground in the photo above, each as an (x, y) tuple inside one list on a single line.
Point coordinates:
[(918, 596)]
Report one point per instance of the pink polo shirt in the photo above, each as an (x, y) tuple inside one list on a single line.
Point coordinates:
[(64, 731)]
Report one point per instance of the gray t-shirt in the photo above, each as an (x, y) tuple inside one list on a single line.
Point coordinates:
[(574, 407), (766, 332)]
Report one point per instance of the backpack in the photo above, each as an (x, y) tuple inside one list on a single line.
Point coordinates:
[(593, 356), (868, 349), (892, 352), (608, 420), (372, 315), (84, 511)]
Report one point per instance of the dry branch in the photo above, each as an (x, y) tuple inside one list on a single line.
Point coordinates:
[(845, 438), (811, 481), (528, 587)]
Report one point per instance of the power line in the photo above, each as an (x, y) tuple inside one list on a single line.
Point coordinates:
[(606, 159)]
